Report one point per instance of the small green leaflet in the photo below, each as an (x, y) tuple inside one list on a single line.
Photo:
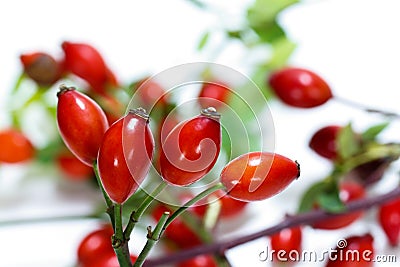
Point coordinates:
[(203, 41), (347, 142), (372, 132)]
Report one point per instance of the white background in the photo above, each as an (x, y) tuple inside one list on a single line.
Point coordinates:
[(353, 44)]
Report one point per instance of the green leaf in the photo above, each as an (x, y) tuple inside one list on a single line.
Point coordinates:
[(348, 143), (203, 41), (282, 50), (372, 132), (331, 202), (262, 18), (310, 197)]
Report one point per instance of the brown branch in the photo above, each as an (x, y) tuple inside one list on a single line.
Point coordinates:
[(290, 221)]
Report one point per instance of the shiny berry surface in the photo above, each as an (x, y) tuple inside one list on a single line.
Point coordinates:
[(348, 191), (15, 147), (125, 156), (81, 123), (300, 87), (258, 175), (191, 149), (323, 141), (389, 220)]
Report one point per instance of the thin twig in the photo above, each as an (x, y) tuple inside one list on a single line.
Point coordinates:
[(290, 221)]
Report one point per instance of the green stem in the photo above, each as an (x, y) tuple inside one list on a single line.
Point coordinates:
[(203, 194), (135, 215), (18, 83), (119, 243), (110, 204), (152, 239), (378, 152)]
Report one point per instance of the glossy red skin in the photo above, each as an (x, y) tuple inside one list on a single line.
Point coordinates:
[(177, 232), (389, 220), (123, 165), (41, 67), (190, 151), (349, 191), (323, 141), (258, 175), (230, 207), (199, 261), (86, 62), (81, 123), (94, 244), (72, 167), (15, 147), (300, 87), (108, 260), (287, 240), (363, 244), (213, 95)]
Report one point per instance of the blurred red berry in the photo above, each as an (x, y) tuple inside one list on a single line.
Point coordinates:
[(199, 261), (389, 220), (214, 94), (72, 167), (323, 141), (299, 87), (15, 147), (354, 251), (289, 241)]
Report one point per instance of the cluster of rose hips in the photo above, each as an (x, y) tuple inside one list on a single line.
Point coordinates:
[(122, 154), (355, 168)]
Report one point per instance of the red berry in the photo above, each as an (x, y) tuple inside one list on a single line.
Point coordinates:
[(199, 261), (86, 62), (323, 141), (151, 93), (214, 95), (94, 244), (354, 251), (81, 122), (177, 231), (15, 146), (191, 149), (42, 68), (288, 240), (258, 175), (300, 87), (72, 167), (125, 155), (107, 260), (389, 219), (348, 191)]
